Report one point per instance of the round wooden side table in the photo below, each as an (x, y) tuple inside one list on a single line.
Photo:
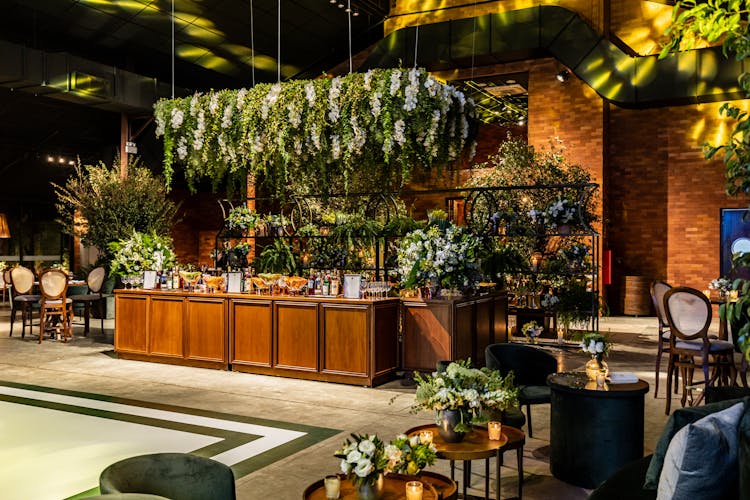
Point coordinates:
[(436, 487), (476, 446)]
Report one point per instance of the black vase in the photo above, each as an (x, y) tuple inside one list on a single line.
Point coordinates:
[(449, 419)]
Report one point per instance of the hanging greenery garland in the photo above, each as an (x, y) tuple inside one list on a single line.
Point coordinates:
[(371, 128)]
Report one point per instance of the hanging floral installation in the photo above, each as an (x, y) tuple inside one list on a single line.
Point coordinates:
[(368, 129)]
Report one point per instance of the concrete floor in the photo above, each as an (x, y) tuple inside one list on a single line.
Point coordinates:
[(88, 364)]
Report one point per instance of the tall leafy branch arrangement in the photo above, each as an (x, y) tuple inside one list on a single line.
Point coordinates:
[(372, 127), (100, 207), (725, 22), (717, 21)]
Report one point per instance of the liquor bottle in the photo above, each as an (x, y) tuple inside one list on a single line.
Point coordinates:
[(167, 284), (176, 285), (311, 283), (334, 286), (327, 284), (318, 284)]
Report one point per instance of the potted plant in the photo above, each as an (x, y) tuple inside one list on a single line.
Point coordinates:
[(460, 394)]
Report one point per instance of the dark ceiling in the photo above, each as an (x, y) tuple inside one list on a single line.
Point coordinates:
[(213, 50)]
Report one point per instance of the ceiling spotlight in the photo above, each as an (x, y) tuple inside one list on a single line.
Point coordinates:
[(71, 162), (347, 9), (61, 160), (356, 13), (341, 5), (50, 159), (562, 76), (332, 1)]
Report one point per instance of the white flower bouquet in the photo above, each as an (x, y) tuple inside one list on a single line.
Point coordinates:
[(466, 389), (366, 457), (141, 252), (720, 284), (531, 330), (561, 211), (595, 344), (443, 254)]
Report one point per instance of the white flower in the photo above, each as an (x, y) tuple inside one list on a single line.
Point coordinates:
[(368, 79), (177, 118), (213, 104), (367, 447), (414, 440), (395, 82), (353, 456), (345, 468), (375, 104), (398, 132), (241, 98), (599, 347), (310, 93), (364, 468), (226, 120), (335, 147)]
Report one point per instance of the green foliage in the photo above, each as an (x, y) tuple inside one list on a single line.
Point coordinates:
[(368, 130), (277, 258), (241, 219), (722, 21), (113, 208), (141, 252)]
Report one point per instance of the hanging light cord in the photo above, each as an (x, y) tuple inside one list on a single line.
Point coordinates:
[(278, 45), (173, 53), (416, 44), (349, 16), (252, 43), (473, 39)]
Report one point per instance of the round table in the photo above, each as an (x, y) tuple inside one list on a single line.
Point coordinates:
[(436, 486), (593, 431), (477, 445)]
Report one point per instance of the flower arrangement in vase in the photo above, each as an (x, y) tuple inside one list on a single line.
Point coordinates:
[(366, 459), (560, 214), (141, 252), (443, 255), (722, 285), (460, 393), (532, 331), (597, 346)]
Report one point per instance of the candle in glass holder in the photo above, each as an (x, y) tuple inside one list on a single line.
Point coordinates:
[(733, 295), (413, 490), (493, 429), (425, 437), (707, 293), (332, 485)]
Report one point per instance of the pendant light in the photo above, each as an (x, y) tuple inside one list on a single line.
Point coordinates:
[(4, 228)]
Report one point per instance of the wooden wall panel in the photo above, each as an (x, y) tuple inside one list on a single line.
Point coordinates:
[(296, 335), (206, 329), (166, 326), (130, 324), (345, 339), (386, 336), (251, 327), (426, 335)]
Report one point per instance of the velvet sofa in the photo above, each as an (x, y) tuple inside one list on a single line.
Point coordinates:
[(628, 482)]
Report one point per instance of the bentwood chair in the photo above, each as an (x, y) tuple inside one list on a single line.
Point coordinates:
[(658, 289), (179, 476), (56, 310), (95, 282), (689, 316), (4, 285), (22, 284), (530, 367)]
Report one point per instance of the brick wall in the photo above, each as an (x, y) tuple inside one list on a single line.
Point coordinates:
[(195, 235)]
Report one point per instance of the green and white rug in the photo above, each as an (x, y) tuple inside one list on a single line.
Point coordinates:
[(54, 443)]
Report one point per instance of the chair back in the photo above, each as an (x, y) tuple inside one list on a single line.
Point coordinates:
[(95, 279), (6, 276), (688, 313), (173, 475), (53, 283), (658, 289), (530, 365), (22, 279)]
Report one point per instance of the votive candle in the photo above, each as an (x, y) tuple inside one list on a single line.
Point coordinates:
[(707, 293), (332, 485), (425, 437), (413, 490), (493, 429)]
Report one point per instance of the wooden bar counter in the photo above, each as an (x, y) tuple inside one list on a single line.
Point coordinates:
[(349, 341)]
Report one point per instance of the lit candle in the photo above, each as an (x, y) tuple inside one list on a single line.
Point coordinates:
[(493, 429), (733, 295), (413, 490), (332, 484), (425, 437), (707, 293)]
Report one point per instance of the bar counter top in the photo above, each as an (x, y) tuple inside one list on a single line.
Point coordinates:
[(255, 296)]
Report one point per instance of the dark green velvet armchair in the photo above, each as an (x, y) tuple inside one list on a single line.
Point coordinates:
[(178, 476)]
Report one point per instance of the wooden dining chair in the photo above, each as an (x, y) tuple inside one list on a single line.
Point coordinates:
[(658, 289), (22, 286), (4, 284), (95, 283), (56, 309), (689, 316)]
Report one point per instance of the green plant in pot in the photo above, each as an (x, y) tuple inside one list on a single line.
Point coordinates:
[(278, 257), (99, 206), (461, 396)]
